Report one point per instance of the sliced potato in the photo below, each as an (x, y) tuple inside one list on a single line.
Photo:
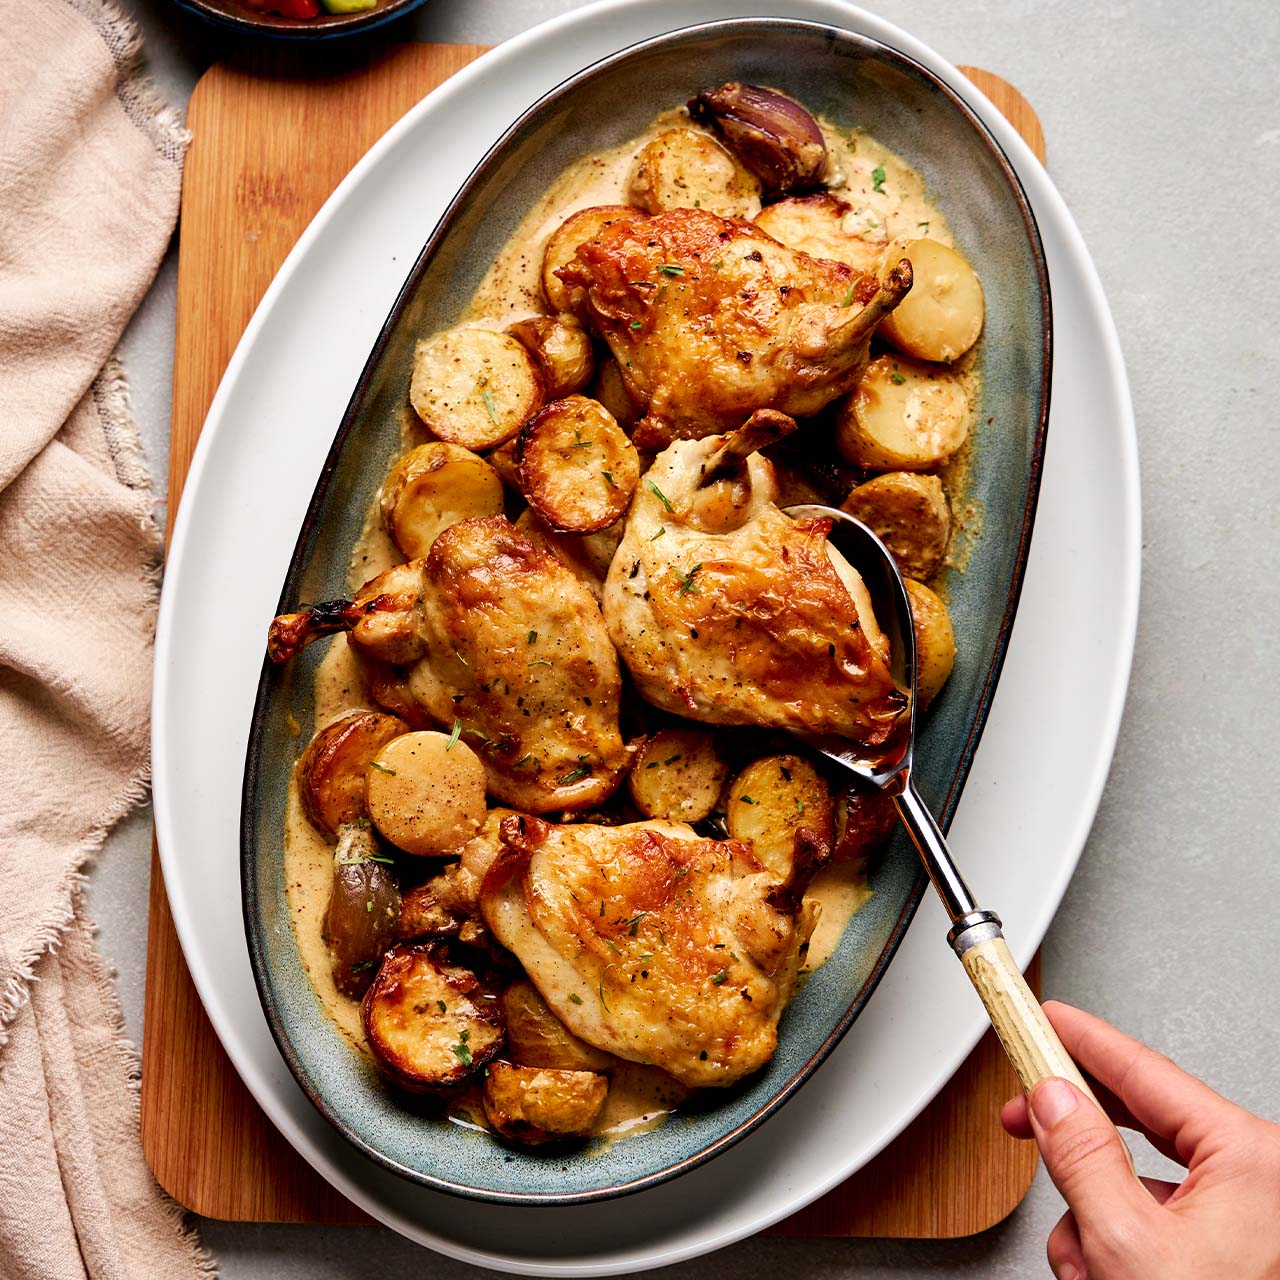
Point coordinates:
[(684, 169), (503, 461), (474, 387), (825, 227), (561, 347), (433, 487), (429, 1023), (331, 770), (537, 1038), (537, 1104), (588, 555), (678, 774), (563, 244), (941, 318), (610, 388), (774, 798), (425, 792), (935, 641), (575, 466), (909, 513), (364, 906), (865, 818), (902, 416)]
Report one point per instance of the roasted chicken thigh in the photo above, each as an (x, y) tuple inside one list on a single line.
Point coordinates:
[(653, 944), (710, 318), (501, 638), (727, 611)]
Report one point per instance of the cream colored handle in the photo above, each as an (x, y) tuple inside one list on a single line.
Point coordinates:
[(1027, 1035)]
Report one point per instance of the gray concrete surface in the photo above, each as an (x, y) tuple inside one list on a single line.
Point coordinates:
[(1163, 137)]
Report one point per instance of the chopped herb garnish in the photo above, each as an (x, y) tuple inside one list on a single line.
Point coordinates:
[(653, 764), (575, 998), (848, 296), (668, 269), (612, 947), (925, 225), (672, 759), (720, 978), (662, 497), (454, 736), (490, 407), (636, 324), (799, 805), (877, 179), (746, 800), (633, 925), (662, 937), (368, 904), (896, 377), (716, 266), (460, 1050), (381, 768), (872, 223), (687, 586), (602, 906), (659, 534), (539, 662), (609, 480), (440, 1004), (575, 775), (362, 965), (533, 637), (522, 760), (600, 987)]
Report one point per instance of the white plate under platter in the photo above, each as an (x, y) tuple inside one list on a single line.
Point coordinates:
[(1028, 804)]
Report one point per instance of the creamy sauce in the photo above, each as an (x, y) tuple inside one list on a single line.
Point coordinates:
[(640, 1098)]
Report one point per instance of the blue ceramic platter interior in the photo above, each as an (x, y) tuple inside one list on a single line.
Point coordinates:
[(854, 82)]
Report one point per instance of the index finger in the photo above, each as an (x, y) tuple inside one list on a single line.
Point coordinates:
[(1161, 1096)]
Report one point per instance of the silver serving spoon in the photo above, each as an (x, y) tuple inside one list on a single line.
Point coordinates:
[(1026, 1034)]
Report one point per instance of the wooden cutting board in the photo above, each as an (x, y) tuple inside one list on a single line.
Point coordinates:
[(272, 139)]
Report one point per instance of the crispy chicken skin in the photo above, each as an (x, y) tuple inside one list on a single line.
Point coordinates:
[(724, 610), (653, 944), (501, 637), (710, 318)]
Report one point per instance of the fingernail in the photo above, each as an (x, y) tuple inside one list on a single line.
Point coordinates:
[(1068, 1271), (1052, 1101)]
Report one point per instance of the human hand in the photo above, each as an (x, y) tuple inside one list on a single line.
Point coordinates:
[(1223, 1220)]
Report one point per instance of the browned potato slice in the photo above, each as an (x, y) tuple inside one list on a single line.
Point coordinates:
[(429, 1023), (331, 770), (576, 467), (432, 487), (935, 641), (364, 906), (562, 349), (537, 1104), (503, 461), (678, 774), (684, 169), (425, 792), (537, 1038), (825, 227), (610, 389), (865, 819), (941, 318), (772, 799), (563, 245), (588, 555), (909, 513), (902, 416), (474, 387)]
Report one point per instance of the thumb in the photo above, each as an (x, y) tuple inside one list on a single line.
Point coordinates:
[(1083, 1154)]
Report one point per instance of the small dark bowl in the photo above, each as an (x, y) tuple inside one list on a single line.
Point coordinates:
[(854, 81), (229, 15)]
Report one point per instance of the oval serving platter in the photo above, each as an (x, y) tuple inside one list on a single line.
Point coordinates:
[(853, 81)]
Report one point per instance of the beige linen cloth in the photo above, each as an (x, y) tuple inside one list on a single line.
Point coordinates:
[(90, 173)]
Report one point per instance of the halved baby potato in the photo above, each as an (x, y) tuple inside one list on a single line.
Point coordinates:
[(474, 387), (909, 513), (563, 244), (684, 169), (331, 770), (429, 1023), (865, 818), (561, 347), (935, 641), (771, 800), (587, 555), (432, 487), (425, 792), (678, 775), (941, 318), (538, 1104), (537, 1038), (364, 906), (575, 466), (902, 416), (826, 227)]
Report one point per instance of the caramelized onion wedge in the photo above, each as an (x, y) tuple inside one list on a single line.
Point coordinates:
[(771, 135)]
